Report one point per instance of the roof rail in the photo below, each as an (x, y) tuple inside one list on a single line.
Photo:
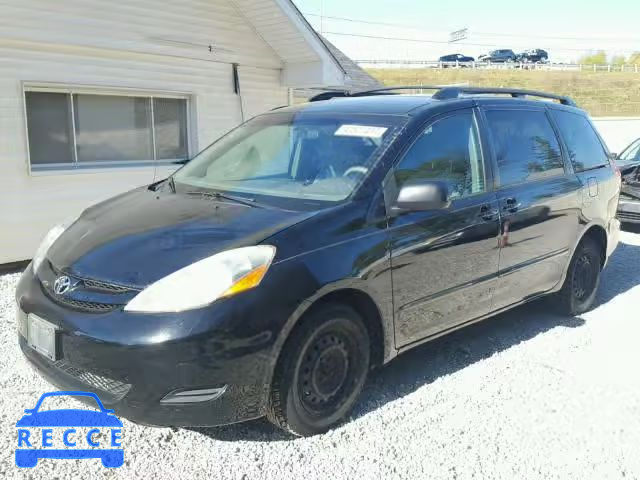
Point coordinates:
[(390, 90), (376, 91), (456, 92), (329, 95), (445, 92)]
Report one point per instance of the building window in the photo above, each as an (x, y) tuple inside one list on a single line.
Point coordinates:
[(73, 129)]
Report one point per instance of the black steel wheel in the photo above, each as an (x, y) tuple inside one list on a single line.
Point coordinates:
[(580, 287), (321, 371)]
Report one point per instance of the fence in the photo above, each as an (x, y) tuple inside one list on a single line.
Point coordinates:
[(497, 66)]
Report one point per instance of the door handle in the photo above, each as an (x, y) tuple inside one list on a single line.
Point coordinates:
[(488, 213), (511, 205)]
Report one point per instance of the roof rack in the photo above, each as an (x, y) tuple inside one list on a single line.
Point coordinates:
[(446, 92), (329, 95), (376, 91), (390, 90), (456, 92)]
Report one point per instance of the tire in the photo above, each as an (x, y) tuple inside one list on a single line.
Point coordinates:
[(580, 287), (321, 371)]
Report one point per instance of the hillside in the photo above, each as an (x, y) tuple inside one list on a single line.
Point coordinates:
[(601, 94)]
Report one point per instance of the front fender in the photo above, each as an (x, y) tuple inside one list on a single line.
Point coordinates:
[(364, 267)]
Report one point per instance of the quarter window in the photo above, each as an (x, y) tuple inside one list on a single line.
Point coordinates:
[(81, 129), (584, 146), (449, 151), (525, 144)]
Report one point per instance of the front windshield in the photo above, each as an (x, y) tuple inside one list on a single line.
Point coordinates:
[(315, 157), (630, 155)]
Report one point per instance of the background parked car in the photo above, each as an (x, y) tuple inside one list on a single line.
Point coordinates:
[(499, 56), (534, 55), (455, 57), (629, 164)]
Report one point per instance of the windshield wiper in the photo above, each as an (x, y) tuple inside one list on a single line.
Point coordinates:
[(249, 202)]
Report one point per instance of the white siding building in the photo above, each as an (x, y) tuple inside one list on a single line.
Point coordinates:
[(99, 97)]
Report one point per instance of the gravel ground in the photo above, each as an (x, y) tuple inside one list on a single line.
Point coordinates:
[(527, 394)]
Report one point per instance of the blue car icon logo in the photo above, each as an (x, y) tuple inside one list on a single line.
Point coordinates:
[(36, 438)]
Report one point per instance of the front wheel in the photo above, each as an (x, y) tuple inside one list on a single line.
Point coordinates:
[(321, 371), (580, 287)]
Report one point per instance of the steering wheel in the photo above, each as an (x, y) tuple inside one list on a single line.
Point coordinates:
[(359, 169)]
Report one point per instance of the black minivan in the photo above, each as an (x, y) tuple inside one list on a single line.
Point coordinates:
[(270, 273)]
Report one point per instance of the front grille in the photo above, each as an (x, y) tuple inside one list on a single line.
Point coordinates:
[(96, 285), (629, 216), (627, 196), (105, 287), (114, 388), (81, 305), (108, 296)]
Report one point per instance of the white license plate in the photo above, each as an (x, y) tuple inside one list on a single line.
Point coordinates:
[(41, 336), (21, 320)]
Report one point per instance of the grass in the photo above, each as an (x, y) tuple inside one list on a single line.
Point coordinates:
[(600, 93)]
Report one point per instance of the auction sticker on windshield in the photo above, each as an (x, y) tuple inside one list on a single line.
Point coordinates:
[(367, 131)]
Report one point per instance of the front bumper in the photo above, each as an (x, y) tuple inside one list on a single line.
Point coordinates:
[(628, 210), (133, 361)]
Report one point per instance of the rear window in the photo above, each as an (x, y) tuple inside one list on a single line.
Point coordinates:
[(585, 149), (526, 146)]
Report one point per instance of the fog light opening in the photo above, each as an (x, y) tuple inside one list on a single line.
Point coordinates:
[(194, 396)]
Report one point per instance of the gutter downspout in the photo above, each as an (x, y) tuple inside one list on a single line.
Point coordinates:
[(236, 89)]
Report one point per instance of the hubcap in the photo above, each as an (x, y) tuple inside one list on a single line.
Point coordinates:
[(324, 373)]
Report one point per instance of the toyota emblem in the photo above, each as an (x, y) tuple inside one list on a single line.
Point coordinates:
[(62, 285)]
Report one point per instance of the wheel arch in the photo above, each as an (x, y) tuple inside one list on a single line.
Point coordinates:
[(380, 329), (599, 234), (364, 305)]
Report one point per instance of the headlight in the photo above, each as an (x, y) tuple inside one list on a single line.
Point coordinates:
[(47, 241), (221, 275)]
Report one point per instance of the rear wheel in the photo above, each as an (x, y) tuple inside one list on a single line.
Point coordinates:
[(321, 371), (579, 291)]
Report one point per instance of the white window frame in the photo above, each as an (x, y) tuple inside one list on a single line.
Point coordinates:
[(77, 167)]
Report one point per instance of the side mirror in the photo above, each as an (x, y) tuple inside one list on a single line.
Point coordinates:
[(422, 196), (614, 156)]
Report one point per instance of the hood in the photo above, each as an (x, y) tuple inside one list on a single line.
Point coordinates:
[(141, 236)]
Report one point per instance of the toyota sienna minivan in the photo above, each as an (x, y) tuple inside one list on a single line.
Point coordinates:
[(268, 275)]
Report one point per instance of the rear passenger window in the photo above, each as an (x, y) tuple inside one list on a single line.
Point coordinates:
[(584, 146), (447, 150), (526, 145)]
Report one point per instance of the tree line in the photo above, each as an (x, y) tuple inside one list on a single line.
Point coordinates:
[(601, 58)]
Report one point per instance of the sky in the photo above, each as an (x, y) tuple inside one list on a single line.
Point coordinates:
[(567, 29)]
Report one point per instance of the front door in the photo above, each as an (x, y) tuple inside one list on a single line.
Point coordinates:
[(444, 262)]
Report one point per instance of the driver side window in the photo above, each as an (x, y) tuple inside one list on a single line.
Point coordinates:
[(448, 150)]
